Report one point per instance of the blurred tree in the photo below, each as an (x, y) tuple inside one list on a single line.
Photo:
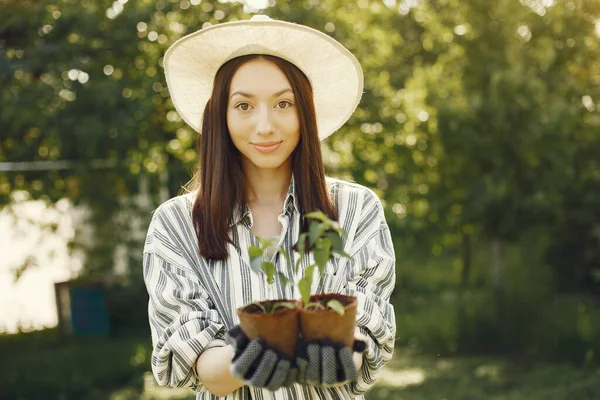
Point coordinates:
[(83, 95), (508, 122), (478, 118), (470, 109)]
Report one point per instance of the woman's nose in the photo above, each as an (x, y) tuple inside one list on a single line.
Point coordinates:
[(264, 124)]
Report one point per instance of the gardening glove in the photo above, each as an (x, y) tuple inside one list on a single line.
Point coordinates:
[(258, 364), (327, 363)]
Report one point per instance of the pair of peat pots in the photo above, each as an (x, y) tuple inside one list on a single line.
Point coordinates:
[(282, 328)]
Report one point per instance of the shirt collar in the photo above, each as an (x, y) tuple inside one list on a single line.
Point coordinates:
[(291, 199), (243, 214), (240, 214)]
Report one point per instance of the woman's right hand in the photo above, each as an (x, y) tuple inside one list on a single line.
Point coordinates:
[(257, 364)]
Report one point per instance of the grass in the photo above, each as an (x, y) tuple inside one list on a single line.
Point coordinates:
[(411, 376), (117, 369), (70, 368)]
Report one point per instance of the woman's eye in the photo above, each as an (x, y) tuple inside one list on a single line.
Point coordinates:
[(243, 106), (284, 104)]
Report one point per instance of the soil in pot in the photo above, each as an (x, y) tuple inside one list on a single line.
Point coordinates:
[(317, 323), (279, 329)]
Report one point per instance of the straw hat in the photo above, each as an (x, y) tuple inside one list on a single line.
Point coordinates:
[(191, 64)]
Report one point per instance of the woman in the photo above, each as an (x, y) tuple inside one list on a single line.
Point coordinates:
[(261, 93)]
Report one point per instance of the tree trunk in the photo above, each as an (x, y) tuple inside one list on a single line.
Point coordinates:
[(466, 259), (496, 267)]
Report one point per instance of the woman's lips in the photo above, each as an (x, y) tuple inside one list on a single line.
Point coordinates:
[(267, 147)]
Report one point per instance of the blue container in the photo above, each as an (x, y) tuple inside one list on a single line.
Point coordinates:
[(89, 311)]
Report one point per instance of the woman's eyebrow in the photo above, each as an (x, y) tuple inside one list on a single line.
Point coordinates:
[(250, 96)]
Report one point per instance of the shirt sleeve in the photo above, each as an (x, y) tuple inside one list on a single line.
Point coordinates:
[(183, 320), (372, 282)]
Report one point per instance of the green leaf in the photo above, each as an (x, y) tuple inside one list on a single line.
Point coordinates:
[(320, 215), (314, 231), (304, 287), (284, 279), (337, 228), (287, 304), (336, 306), (344, 254), (300, 246), (337, 245), (322, 254), (305, 284), (255, 251), (256, 255), (284, 253), (266, 242), (269, 269)]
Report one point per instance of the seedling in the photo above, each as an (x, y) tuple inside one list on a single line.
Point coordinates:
[(271, 307), (323, 239)]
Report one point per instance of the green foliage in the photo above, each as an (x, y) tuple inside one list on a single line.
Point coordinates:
[(436, 315), (305, 283), (477, 118), (323, 239), (256, 254), (269, 269), (322, 252), (82, 82)]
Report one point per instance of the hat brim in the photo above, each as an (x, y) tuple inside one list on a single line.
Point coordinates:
[(192, 62)]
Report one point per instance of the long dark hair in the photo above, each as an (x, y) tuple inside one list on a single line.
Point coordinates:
[(220, 177)]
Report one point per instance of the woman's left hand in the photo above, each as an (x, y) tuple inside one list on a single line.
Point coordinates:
[(327, 363)]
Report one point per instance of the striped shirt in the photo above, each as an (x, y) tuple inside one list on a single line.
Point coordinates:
[(193, 300)]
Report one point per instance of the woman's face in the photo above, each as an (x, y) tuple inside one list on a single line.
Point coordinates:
[(262, 116)]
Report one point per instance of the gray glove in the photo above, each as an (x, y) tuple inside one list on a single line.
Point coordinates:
[(257, 364), (327, 363)]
